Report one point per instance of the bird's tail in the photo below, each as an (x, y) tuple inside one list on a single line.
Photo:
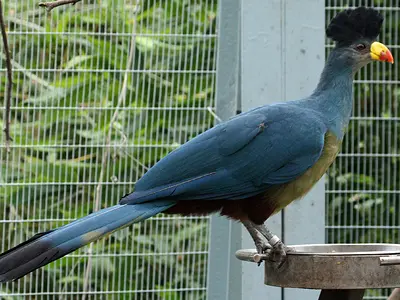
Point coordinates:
[(48, 246)]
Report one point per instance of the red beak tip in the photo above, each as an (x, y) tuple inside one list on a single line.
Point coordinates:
[(387, 57)]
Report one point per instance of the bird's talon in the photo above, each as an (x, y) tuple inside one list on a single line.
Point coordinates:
[(262, 249), (277, 254)]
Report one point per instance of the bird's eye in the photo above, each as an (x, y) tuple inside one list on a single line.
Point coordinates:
[(360, 47)]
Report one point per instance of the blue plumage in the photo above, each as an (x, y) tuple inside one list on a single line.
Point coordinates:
[(239, 158), (45, 248), (246, 168)]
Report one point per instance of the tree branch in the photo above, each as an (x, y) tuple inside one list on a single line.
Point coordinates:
[(9, 79), (50, 5)]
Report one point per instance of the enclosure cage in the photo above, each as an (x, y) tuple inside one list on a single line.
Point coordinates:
[(105, 88)]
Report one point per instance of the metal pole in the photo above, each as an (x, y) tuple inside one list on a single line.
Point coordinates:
[(224, 270), (282, 57), (304, 42), (261, 84)]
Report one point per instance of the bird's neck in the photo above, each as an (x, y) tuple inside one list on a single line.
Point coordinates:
[(334, 94)]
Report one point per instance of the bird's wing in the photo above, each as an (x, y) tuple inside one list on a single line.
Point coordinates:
[(237, 159)]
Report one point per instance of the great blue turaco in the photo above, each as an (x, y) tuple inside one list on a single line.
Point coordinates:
[(246, 168)]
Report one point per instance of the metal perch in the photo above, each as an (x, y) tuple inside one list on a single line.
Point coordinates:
[(341, 271)]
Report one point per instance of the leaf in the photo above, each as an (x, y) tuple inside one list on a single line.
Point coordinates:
[(30, 25), (76, 60), (356, 178), (368, 204), (167, 295), (4, 295), (45, 171), (189, 232), (337, 202), (144, 240), (103, 264), (358, 197), (94, 136), (48, 97), (72, 279)]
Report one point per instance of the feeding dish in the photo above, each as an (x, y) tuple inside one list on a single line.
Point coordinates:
[(334, 266)]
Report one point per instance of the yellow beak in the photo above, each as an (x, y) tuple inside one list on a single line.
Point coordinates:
[(381, 52)]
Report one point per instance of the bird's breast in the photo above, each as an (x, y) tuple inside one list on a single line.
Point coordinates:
[(303, 184)]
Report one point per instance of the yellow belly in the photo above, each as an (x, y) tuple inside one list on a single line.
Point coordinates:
[(299, 187)]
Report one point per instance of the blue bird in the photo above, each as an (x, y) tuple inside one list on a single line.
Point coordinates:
[(246, 168)]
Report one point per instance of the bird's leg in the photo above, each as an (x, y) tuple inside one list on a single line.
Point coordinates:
[(278, 251), (259, 240)]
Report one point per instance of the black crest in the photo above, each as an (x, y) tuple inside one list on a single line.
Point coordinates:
[(353, 24)]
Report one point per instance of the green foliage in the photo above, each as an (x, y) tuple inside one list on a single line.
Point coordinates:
[(72, 68)]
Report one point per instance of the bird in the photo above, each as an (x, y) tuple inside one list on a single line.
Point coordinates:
[(246, 168)]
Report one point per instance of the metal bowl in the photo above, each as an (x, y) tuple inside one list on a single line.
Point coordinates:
[(334, 266)]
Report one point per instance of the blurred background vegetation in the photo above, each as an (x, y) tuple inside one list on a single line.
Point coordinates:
[(363, 185), (363, 191), (103, 90)]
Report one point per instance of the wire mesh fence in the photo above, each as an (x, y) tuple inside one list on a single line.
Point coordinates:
[(363, 189), (103, 90)]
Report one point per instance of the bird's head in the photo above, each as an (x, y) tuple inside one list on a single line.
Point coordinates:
[(355, 32)]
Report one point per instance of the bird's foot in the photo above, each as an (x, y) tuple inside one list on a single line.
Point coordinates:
[(274, 251), (277, 254), (263, 249)]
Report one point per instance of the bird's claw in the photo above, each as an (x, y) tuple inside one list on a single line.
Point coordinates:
[(277, 255), (262, 249)]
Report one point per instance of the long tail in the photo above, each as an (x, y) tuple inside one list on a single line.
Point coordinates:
[(48, 246)]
